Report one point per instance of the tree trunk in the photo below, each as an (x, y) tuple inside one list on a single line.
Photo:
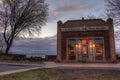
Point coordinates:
[(8, 46), (1, 45), (7, 49)]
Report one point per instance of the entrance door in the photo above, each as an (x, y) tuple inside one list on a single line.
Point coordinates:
[(84, 50), (84, 53)]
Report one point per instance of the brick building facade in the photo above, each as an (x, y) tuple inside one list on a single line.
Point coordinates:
[(86, 40)]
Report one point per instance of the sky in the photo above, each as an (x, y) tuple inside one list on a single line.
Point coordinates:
[(62, 10), (70, 9), (45, 45)]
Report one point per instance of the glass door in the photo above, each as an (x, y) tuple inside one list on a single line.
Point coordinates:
[(84, 50)]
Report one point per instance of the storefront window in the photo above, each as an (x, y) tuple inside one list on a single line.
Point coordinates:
[(99, 49), (71, 49)]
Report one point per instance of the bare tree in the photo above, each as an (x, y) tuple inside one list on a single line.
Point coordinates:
[(113, 10), (1, 42), (18, 16)]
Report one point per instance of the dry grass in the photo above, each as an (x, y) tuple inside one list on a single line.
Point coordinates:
[(64, 74)]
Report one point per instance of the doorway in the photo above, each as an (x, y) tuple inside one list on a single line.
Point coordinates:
[(84, 53), (84, 50)]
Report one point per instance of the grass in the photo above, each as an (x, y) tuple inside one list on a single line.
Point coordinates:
[(37, 74), (64, 74)]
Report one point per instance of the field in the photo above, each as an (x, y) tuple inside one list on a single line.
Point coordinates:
[(64, 74)]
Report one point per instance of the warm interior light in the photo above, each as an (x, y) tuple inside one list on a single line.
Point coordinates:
[(84, 41), (76, 45), (93, 45)]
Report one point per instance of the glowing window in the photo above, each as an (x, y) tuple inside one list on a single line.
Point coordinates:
[(84, 41)]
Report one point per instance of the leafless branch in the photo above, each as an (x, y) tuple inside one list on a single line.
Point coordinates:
[(17, 16)]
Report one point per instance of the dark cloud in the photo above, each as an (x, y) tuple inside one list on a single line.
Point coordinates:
[(35, 46), (62, 8), (69, 5), (73, 6)]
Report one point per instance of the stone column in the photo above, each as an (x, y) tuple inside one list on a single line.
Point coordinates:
[(59, 50), (112, 40), (93, 51), (104, 60), (77, 46)]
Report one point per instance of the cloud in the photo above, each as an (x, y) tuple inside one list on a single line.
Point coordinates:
[(72, 6), (117, 35), (1, 1), (35, 46), (53, 13), (65, 8)]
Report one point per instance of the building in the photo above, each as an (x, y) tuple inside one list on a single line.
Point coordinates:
[(86, 40)]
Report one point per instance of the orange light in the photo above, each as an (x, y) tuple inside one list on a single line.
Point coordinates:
[(84, 41), (76, 45), (93, 45)]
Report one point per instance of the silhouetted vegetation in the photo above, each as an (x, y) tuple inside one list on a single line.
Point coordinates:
[(18, 16), (113, 10)]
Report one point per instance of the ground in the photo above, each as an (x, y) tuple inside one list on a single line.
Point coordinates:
[(65, 73)]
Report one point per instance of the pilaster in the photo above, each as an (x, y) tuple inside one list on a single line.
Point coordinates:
[(112, 40), (59, 50)]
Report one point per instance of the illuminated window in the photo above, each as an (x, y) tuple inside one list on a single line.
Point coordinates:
[(84, 41), (99, 48), (71, 49)]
